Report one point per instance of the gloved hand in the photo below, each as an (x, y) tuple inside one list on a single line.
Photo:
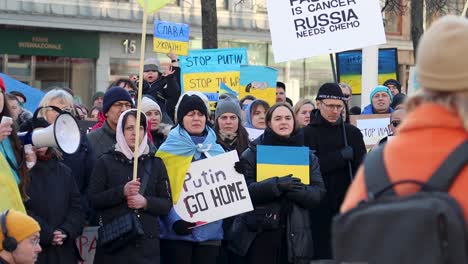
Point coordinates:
[(182, 228), (347, 153), (239, 167), (289, 183)]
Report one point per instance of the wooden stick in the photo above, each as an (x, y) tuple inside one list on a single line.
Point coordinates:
[(140, 90), (465, 8)]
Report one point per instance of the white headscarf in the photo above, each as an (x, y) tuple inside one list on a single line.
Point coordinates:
[(122, 145)]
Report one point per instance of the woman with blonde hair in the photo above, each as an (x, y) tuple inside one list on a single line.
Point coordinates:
[(302, 110)]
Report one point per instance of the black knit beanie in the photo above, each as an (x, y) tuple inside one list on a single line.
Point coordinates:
[(190, 103), (330, 91), (115, 94), (393, 82)]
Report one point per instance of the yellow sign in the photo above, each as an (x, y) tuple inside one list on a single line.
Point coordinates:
[(165, 46), (153, 5), (208, 82)]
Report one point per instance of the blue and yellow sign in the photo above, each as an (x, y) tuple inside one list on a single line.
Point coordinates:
[(151, 6), (171, 36), (277, 161), (258, 81), (205, 70)]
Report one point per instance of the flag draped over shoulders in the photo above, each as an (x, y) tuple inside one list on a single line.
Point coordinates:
[(179, 150), (9, 191)]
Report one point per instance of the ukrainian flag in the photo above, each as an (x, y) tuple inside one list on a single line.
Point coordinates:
[(9, 191), (274, 161)]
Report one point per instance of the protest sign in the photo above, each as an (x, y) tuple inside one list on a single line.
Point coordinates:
[(213, 190), (254, 133), (413, 84), (305, 28), (349, 67), (87, 243), (373, 127), (171, 36), (258, 81), (277, 161), (204, 70)]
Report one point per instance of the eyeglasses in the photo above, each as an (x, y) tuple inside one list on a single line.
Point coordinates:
[(332, 107), (396, 123), (122, 105), (346, 95)]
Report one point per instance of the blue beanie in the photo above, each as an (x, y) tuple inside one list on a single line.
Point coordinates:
[(381, 88), (115, 94)]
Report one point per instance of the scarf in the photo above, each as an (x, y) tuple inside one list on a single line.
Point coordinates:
[(228, 138), (179, 150), (122, 145)]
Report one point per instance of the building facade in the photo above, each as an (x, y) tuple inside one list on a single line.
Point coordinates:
[(86, 44)]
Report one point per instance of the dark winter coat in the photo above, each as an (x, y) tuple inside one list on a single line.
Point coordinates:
[(102, 140), (294, 208), (81, 164), (166, 91), (55, 203), (327, 140), (106, 193)]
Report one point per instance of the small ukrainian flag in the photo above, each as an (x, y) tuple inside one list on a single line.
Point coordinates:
[(274, 161), (153, 5)]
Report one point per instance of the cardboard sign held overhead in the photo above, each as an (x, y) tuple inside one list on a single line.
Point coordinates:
[(213, 190), (305, 28), (204, 71), (258, 81), (171, 36), (373, 127)]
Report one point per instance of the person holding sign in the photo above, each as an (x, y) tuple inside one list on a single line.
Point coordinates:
[(278, 230), (380, 98), (113, 194), (164, 87), (192, 139), (340, 149)]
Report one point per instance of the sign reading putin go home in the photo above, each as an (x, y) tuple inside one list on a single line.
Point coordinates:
[(306, 28)]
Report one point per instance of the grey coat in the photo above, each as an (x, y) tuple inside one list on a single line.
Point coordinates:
[(102, 140)]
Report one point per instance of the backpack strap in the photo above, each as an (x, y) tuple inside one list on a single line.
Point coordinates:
[(444, 176), (375, 174)]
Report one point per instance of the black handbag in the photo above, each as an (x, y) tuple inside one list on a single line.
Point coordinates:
[(264, 217), (125, 229)]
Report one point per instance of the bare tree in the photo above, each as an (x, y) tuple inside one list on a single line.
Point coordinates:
[(209, 24)]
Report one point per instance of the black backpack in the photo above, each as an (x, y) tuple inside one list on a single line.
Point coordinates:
[(426, 227)]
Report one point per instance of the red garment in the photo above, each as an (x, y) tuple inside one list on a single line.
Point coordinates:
[(424, 140), (101, 119)]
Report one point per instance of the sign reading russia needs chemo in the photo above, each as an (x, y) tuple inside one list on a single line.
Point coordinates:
[(305, 28), (168, 35), (204, 71), (213, 190)]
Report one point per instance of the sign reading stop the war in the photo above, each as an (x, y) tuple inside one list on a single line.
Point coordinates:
[(213, 190)]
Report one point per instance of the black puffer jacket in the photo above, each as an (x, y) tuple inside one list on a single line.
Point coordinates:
[(106, 193), (166, 91), (294, 209)]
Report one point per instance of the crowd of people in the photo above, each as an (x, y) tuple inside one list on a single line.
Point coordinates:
[(62, 193)]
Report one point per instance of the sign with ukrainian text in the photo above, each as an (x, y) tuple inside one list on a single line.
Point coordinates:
[(258, 81), (171, 36), (205, 70), (306, 28), (213, 190), (278, 161)]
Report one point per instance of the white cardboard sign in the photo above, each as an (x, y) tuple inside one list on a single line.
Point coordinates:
[(87, 244), (213, 190), (373, 127), (306, 28)]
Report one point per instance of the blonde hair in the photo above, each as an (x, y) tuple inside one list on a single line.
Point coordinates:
[(300, 103), (56, 93), (456, 102)]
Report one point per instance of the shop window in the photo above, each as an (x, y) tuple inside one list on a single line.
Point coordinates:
[(257, 52), (222, 4)]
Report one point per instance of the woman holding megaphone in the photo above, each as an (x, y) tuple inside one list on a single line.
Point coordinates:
[(55, 203)]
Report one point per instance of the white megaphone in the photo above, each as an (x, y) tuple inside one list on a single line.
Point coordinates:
[(63, 134)]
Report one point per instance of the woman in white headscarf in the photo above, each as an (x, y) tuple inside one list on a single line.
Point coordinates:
[(113, 193)]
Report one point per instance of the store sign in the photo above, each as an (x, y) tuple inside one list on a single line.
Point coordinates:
[(50, 43)]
